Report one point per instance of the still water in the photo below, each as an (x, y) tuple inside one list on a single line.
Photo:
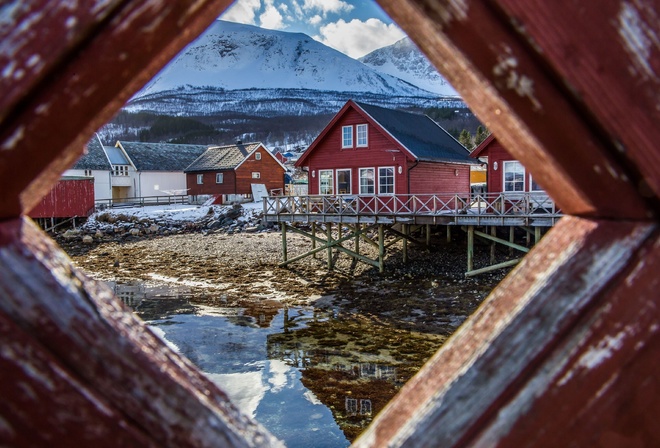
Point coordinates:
[(313, 377)]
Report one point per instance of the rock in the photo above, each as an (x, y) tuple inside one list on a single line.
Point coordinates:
[(252, 229), (135, 232), (235, 212), (71, 234), (154, 228), (87, 239), (98, 234)]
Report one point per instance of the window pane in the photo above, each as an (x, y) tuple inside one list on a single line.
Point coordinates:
[(325, 182), (347, 137), (386, 180), (362, 135), (343, 181), (219, 177), (367, 181), (514, 176)]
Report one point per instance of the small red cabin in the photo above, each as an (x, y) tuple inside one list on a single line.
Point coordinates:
[(70, 197), (370, 150), (505, 174), (228, 171)]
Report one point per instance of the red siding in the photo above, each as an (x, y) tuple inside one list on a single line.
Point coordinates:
[(68, 198), (270, 172), (497, 154), (228, 185), (439, 178)]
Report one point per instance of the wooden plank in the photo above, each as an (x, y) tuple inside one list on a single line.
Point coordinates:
[(481, 53), (89, 78), (495, 353), (77, 330), (493, 267), (613, 69), (488, 237)]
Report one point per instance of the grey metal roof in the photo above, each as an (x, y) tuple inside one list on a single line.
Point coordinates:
[(222, 157), (161, 156), (93, 158), (116, 155), (420, 135)]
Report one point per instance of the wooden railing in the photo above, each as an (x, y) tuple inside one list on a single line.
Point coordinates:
[(143, 201), (453, 205)]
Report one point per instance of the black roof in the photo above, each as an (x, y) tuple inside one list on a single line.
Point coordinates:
[(222, 157), (93, 158), (161, 156), (420, 135)]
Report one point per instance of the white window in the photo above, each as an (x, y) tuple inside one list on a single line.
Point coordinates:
[(257, 156), (386, 180), (256, 175), (344, 181), (514, 176), (120, 170), (219, 178), (367, 181), (533, 186), (325, 182), (347, 136), (88, 173), (351, 405), (365, 407), (200, 179), (361, 131)]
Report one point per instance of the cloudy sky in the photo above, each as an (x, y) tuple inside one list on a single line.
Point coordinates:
[(354, 27)]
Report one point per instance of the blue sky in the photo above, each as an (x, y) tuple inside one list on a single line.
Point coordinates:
[(354, 27)]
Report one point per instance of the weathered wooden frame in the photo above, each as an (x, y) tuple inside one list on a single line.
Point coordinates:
[(564, 351)]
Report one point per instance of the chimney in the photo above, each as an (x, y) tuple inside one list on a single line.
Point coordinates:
[(239, 141)]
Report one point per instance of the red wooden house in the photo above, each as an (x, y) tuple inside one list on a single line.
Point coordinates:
[(229, 172), (505, 174), (370, 150)]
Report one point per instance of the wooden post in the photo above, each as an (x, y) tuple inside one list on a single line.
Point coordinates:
[(428, 235), (314, 239), (284, 249), (448, 234), (493, 232), (357, 238), (537, 235), (328, 231), (405, 228), (511, 235), (381, 248), (470, 248)]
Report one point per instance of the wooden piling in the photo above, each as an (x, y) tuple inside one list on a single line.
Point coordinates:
[(511, 238), (314, 238), (328, 231), (448, 234), (537, 235), (381, 248), (428, 235), (284, 248), (470, 248), (493, 232), (405, 228), (357, 238)]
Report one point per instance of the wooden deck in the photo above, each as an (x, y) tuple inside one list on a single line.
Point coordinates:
[(515, 209)]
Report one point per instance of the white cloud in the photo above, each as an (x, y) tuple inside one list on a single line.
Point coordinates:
[(242, 11), (357, 38), (271, 17), (315, 20), (326, 6)]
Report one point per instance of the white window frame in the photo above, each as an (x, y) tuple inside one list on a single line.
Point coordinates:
[(328, 187), (360, 177), (350, 180), (219, 178), (505, 165), (531, 186), (200, 179), (257, 156), (256, 175), (362, 135), (380, 185), (346, 137)]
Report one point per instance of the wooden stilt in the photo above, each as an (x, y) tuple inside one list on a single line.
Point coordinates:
[(493, 232), (357, 238), (406, 229), (328, 231), (470, 248), (428, 235), (511, 235), (449, 234), (314, 238), (537, 234), (284, 248), (381, 248)]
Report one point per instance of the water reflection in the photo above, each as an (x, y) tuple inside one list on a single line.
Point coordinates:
[(312, 377)]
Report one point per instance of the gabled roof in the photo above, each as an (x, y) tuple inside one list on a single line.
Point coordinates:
[(222, 157), (483, 146), (422, 138), (161, 156), (94, 157)]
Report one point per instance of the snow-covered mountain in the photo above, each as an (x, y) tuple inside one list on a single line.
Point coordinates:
[(234, 56), (405, 61)]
